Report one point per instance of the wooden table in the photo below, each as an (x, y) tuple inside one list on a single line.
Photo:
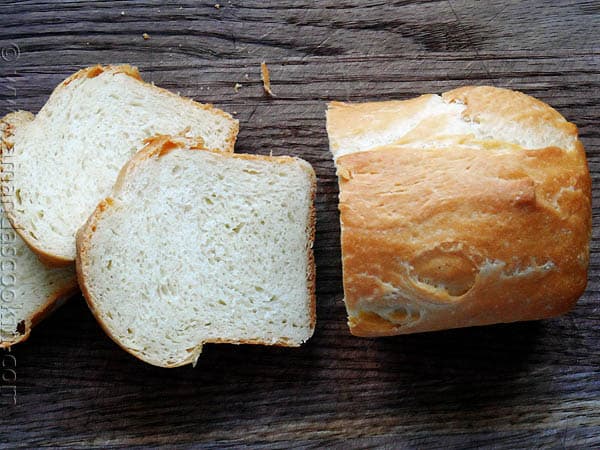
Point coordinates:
[(521, 385)]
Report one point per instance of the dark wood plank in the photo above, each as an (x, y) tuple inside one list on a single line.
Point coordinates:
[(241, 29), (521, 385)]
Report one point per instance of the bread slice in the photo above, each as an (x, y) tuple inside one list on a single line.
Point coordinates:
[(470, 208), (29, 290), (67, 159), (197, 246)]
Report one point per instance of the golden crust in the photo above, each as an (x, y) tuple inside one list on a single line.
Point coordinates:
[(486, 103), (94, 71), (348, 121), (156, 147), (311, 276), (482, 112), (266, 79), (466, 231)]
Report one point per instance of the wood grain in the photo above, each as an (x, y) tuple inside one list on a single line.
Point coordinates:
[(523, 385)]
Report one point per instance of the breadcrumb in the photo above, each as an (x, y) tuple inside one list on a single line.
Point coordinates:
[(266, 79), (217, 6), (146, 36), (236, 87)]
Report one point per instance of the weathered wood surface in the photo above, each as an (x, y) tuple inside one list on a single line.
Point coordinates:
[(521, 385)]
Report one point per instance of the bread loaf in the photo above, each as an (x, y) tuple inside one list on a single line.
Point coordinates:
[(197, 246), (67, 158), (469, 208)]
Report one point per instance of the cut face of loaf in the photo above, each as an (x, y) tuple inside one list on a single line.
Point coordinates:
[(30, 291), (67, 159), (195, 247), (472, 208)]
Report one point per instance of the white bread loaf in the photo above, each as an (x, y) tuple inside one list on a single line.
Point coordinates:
[(464, 209), (67, 159), (29, 290), (197, 246)]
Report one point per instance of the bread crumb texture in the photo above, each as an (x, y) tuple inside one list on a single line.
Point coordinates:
[(92, 124), (30, 290), (202, 247)]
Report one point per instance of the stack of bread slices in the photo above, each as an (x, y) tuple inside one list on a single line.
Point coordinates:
[(175, 240)]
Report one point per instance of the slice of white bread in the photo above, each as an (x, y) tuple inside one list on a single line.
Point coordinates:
[(198, 246), (29, 290), (67, 159)]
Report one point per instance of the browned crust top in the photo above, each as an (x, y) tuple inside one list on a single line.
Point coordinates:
[(470, 232)]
